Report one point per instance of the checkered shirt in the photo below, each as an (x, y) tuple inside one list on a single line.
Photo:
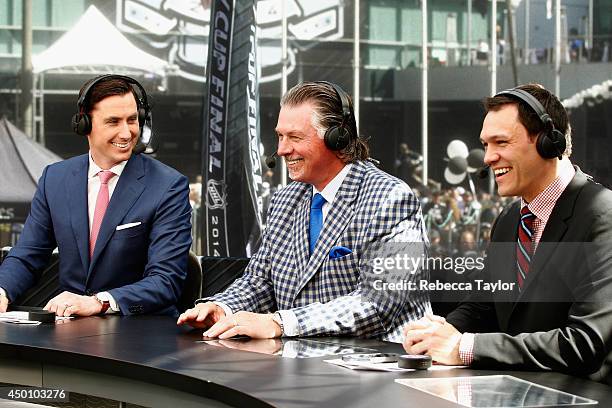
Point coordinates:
[(371, 207)]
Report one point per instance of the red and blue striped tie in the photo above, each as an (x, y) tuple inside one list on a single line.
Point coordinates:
[(525, 245)]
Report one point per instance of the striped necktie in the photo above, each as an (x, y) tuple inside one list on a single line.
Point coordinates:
[(524, 245)]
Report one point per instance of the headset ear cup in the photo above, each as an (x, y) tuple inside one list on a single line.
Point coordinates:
[(551, 144), (544, 146), (558, 141), (142, 120), (142, 116), (74, 122), (81, 124), (336, 138)]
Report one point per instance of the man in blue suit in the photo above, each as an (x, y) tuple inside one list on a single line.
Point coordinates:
[(312, 275), (120, 220)]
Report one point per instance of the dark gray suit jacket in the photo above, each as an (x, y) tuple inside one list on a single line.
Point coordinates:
[(562, 318)]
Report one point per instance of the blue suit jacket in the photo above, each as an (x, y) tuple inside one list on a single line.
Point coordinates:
[(373, 215), (142, 267)]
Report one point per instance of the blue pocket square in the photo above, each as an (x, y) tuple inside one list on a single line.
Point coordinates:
[(338, 252)]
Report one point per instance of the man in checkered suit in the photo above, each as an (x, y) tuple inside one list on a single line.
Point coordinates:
[(289, 290)]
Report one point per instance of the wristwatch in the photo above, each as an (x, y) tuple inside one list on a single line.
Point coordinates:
[(276, 317), (105, 303)]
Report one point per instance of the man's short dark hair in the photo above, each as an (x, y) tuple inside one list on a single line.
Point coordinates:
[(328, 113), (103, 89), (529, 118)]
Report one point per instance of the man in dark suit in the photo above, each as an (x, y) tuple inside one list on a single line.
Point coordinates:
[(304, 283), (554, 246), (120, 220)]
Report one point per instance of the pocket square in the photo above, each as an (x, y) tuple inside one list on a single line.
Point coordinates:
[(130, 225), (338, 252)]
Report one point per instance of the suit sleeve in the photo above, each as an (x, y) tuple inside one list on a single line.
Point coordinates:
[(579, 347), (369, 310), (254, 290), (21, 269), (167, 254)]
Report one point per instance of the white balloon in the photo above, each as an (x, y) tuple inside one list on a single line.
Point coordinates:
[(457, 148), (453, 178)]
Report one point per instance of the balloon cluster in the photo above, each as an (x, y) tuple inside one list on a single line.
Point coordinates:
[(591, 96), (461, 161)]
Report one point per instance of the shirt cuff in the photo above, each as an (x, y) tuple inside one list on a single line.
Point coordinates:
[(105, 296), (291, 327), (466, 348), (226, 308)]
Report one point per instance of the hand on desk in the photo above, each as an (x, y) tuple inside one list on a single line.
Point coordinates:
[(433, 336), (254, 325), (202, 316), (3, 303), (70, 304), (212, 317)]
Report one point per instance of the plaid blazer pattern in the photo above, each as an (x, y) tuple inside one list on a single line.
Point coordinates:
[(371, 207)]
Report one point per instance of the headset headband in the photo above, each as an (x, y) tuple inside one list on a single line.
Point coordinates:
[(530, 100), (347, 114), (141, 99)]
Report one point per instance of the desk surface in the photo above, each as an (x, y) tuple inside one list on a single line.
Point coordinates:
[(154, 350)]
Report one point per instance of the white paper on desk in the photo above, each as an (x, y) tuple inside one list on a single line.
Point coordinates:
[(494, 391), (19, 317), (388, 367)]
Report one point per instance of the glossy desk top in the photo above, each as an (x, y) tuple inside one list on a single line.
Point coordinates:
[(153, 349)]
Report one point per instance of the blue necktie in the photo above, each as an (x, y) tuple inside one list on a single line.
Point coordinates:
[(316, 219)]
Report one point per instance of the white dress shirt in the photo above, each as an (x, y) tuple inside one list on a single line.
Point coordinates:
[(93, 187)]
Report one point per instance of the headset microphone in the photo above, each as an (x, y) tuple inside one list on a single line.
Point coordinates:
[(139, 148), (483, 172), (271, 161)]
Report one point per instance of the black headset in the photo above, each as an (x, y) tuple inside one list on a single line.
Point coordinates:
[(339, 137), (81, 121), (550, 142)]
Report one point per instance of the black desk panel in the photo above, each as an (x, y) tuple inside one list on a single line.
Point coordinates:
[(130, 354)]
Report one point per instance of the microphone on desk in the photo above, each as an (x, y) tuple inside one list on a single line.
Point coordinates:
[(271, 161)]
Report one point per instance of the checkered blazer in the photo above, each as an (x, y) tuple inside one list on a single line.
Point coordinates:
[(327, 295)]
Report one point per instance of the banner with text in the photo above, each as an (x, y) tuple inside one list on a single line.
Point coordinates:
[(233, 208)]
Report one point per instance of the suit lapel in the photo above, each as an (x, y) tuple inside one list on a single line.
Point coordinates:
[(555, 228), (127, 191), (76, 191), (336, 221), (503, 263), (300, 232)]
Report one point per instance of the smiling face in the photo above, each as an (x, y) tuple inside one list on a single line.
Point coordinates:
[(114, 130), (518, 168), (308, 159)]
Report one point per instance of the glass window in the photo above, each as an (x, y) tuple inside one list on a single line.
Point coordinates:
[(383, 26), (65, 13)]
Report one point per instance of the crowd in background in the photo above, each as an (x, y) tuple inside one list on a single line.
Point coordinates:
[(458, 222)]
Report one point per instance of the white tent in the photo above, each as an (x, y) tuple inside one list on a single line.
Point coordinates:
[(95, 42)]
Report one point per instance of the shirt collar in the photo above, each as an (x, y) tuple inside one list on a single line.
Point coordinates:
[(330, 190), (94, 169), (542, 205)]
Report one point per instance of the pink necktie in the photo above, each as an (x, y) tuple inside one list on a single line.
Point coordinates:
[(101, 204)]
